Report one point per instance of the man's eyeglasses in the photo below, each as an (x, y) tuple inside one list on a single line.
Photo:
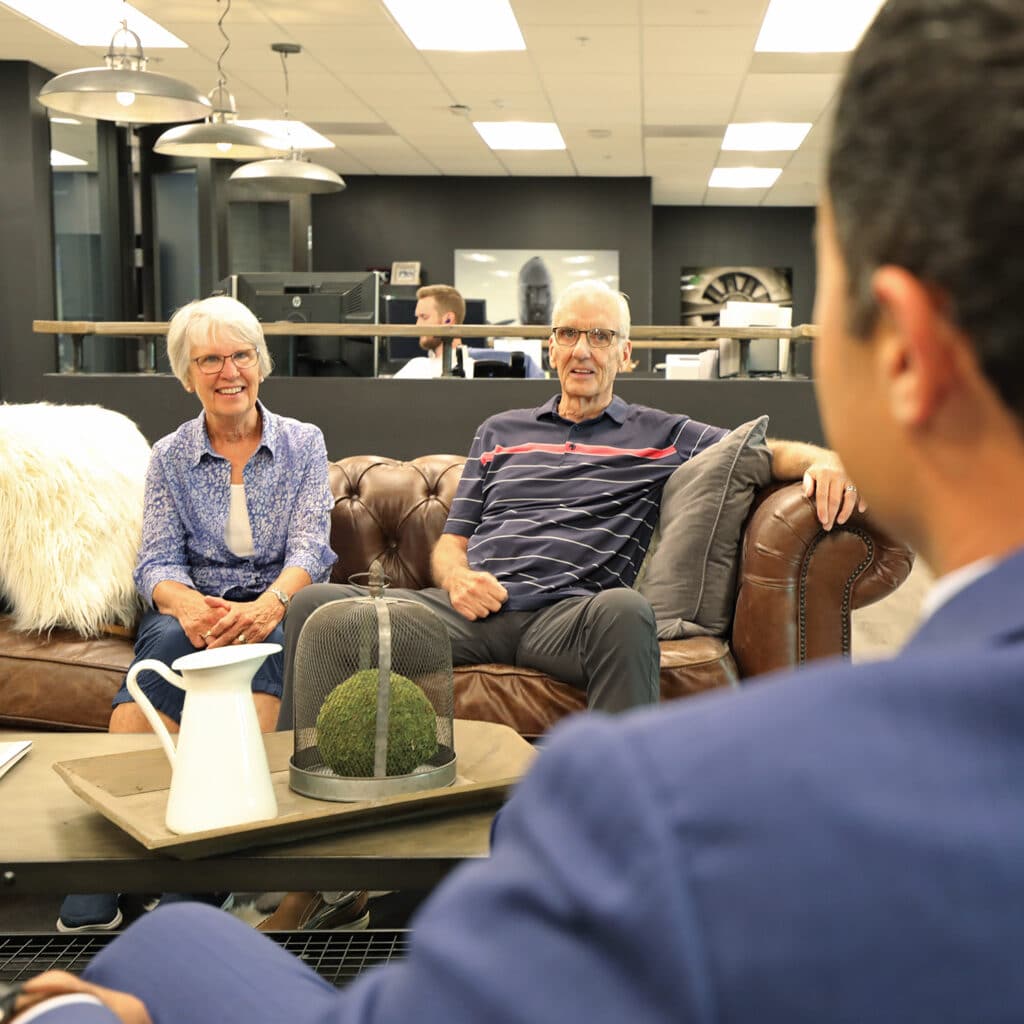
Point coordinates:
[(243, 359), (598, 337)]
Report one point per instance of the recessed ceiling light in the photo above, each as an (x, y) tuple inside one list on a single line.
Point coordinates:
[(578, 259), (768, 136), (59, 159), (466, 26), (297, 133), (744, 177), (815, 26), (480, 257), (520, 134), (90, 22)]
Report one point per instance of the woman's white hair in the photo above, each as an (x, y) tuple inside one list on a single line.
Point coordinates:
[(588, 291), (202, 321)]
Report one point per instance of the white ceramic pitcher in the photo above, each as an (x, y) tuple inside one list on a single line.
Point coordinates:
[(219, 771)]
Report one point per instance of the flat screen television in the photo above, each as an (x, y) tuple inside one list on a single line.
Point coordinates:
[(342, 297), (399, 307)]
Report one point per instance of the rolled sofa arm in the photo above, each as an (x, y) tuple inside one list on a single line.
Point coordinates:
[(797, 583)]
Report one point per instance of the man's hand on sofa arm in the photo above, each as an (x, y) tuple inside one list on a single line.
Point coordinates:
[(474, 595), (824, 479)]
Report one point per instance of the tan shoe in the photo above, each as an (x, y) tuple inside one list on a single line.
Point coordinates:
[(315, 911)]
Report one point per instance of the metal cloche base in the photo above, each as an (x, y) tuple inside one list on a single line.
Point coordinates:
[(320, 783)]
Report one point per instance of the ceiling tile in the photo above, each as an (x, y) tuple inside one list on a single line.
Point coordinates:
[(575, 12), (555, 162), (690, 160), (585, 49), (697, 51), (704, 13), (784, 97), (517, 62), (599, 100), (689, 99)]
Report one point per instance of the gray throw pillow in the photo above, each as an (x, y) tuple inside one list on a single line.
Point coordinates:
[(689, 576)]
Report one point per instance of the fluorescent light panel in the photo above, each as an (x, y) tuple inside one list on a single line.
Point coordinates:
[(93, 22), (296, 133), (59, 159), (815, 26), (463, 26), (765, 136), (520, 134), (744, 177)]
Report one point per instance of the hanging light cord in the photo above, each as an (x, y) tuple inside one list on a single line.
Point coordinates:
[(227, 42), (284, 68)]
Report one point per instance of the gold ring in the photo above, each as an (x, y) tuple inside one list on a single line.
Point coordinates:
[(208, 634), (851, 487)]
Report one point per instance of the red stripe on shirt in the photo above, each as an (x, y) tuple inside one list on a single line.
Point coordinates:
[(579, 449)]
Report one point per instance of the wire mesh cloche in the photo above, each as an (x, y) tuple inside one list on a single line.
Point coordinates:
[(373, 699)]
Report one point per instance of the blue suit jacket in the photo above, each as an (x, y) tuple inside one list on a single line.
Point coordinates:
[(846, 844)]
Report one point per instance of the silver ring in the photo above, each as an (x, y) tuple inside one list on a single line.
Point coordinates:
[(851, 487), (240, 639), (208, 634)]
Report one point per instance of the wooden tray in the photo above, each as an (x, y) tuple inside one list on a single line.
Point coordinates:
[(131, 790)]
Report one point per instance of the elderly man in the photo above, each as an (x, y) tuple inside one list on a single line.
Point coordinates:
[(523, 574)]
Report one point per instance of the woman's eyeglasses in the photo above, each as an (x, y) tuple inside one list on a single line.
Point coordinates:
[(243, 359), (598, 337)]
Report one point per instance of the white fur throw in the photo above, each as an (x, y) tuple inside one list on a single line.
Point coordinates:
[(71, 487)]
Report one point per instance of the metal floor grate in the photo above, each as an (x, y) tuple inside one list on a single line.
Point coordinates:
[(336, 956)]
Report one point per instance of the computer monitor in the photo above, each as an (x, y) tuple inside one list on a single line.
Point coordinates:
[(399, 307), (763, 356), (342, 297)]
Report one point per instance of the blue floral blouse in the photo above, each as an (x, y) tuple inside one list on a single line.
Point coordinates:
[(188, 494)]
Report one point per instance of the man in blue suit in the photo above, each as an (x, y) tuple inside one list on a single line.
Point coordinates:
[(846, 844)]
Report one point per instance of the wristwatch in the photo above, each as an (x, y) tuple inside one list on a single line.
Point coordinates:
[(8, 996), (284, 598)]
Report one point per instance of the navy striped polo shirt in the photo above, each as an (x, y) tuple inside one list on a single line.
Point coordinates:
[(558, 509)]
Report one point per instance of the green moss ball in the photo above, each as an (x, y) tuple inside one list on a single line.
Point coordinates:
[(347, 725)]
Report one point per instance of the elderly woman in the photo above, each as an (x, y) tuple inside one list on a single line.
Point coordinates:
[(236, 520)]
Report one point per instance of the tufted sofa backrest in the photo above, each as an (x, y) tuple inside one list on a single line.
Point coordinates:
[(390, 510)]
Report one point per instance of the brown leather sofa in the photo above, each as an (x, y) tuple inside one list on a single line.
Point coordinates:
[(797, 586)]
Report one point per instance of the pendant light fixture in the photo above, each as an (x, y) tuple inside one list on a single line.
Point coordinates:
[(219, 137), (123, 90), (292, 174)]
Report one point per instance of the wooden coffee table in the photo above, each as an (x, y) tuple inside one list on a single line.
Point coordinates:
[(52, 842)]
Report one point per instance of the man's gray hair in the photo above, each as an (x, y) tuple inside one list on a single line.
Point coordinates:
[(204, 319), (588, 291)]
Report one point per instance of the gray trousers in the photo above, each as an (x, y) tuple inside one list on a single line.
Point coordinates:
[(605, 645)]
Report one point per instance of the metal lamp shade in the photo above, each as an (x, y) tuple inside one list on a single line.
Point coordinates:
[(219, 140), (93, 92), (290, 175)]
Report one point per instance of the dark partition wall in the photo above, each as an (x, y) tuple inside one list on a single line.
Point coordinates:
[(377, 220), (731, 236), (406, 418), (26, 213)]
